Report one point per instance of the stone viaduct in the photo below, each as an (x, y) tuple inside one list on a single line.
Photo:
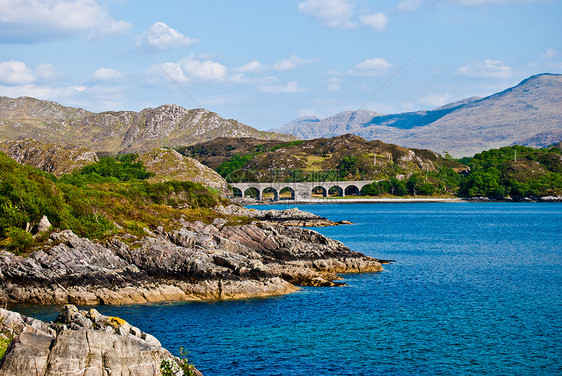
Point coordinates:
[(298, 191)]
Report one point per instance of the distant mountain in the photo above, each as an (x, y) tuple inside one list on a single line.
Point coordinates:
[(528, 114), (123, 131)]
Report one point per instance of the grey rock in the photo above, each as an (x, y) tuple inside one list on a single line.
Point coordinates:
[(82, 349), (43, 225), (196, 261)]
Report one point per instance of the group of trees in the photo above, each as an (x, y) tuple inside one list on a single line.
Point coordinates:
[(444, 182), (513, 171)]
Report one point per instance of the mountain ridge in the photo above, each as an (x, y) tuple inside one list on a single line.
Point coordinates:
[(528, 114), (168, 125)]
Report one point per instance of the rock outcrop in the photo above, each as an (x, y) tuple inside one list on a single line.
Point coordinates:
[(165, 164), (196, 262), (80, 343), (168, 164), (55, 158), (287, 217)]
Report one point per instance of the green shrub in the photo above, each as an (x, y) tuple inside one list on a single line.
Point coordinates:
[(18, 240)]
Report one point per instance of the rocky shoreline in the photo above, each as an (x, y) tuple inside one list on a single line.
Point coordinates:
[(197, 261), (81, 343)]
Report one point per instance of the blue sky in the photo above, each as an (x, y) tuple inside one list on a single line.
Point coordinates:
[(267, 62)]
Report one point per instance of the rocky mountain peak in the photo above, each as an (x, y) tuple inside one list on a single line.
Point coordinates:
[(168, 125), (527, 114)]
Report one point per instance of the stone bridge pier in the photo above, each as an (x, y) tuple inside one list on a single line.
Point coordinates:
[(298, 191)]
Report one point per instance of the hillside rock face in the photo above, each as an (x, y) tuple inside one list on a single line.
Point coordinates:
[(54, 158), (122, 131), (79, 343), (168, 164), (194, 262), (528, 114)]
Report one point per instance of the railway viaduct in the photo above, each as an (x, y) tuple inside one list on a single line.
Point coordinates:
[(302, 190)]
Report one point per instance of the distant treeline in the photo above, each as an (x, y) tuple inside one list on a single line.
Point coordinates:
[(514, 171)]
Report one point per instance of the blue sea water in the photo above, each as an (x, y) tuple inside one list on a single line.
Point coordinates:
[(476, 289)]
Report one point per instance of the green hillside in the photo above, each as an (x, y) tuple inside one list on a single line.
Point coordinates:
[(109, 197)]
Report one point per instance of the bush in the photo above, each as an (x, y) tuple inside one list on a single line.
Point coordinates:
[(18, 240)]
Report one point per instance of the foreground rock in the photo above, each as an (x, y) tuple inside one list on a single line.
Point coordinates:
[(80, 343), (195, 262)]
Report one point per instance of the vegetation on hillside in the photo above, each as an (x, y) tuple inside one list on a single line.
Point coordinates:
[(346, 157), (103, 199), (514, 171)]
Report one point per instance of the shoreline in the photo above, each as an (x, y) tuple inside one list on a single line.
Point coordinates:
[(312, 201), (360, 201)]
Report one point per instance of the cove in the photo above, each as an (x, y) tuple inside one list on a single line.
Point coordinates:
[(476, 289)]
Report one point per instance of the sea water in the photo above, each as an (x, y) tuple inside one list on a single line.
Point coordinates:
[(476, 289)]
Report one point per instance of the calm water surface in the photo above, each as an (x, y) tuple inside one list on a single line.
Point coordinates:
[(476, 289)]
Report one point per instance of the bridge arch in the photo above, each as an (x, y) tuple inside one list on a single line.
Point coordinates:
[(319, 190), (351, 190), (284, 190), (336, 190), (297, 190), (236, 192), (270, 192), (252, 192)]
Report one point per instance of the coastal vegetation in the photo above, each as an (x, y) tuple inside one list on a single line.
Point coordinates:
[(108, 197)]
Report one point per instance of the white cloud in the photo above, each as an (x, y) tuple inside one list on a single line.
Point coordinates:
[(106, 74), (550, 52), (203, 70), (377, 21), (486, 69), (191, 68), (41, 92), (162, 37), (435, 100), (291, 63), (332, 13), (371, 67), (409, 5), (28, 21), (252, 66), (290, 88), (17, 73)]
